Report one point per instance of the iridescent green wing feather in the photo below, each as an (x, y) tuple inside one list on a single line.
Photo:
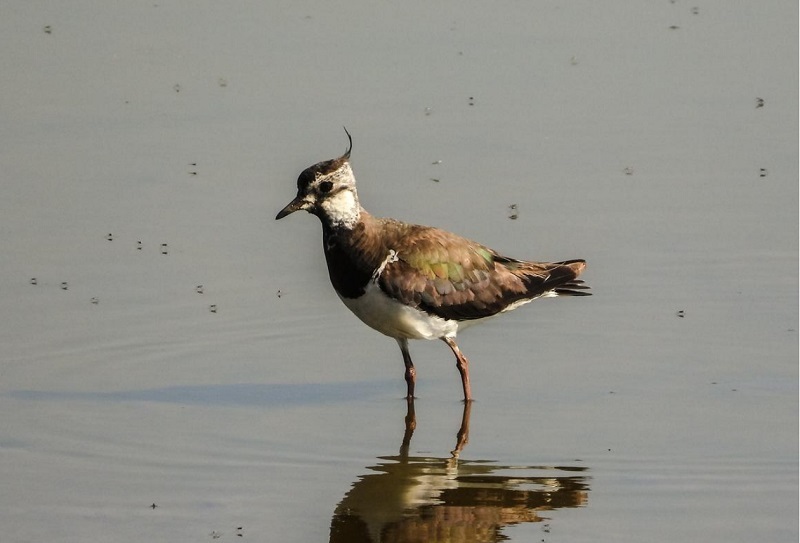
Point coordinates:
[(449, 276)]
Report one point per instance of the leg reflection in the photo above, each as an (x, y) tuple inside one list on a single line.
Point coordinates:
[(411, 424), (462, 437), (407, 497)]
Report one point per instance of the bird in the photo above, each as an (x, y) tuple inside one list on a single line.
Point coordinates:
[(410, 281)]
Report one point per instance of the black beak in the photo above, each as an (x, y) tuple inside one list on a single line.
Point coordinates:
[(295, 205)]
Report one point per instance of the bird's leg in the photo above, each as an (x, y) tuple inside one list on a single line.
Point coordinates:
[(411, 424), (463, 367), (462, 437), (411, 372)]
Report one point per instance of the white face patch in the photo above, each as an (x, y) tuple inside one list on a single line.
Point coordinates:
[(342, 208)]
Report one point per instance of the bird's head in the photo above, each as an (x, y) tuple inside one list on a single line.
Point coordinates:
[(328, 190)]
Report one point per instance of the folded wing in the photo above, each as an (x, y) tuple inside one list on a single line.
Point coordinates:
[(455, 278)]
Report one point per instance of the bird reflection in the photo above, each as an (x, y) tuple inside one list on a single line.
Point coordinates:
[(419, 499)]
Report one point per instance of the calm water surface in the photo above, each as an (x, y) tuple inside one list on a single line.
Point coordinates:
[(175, 366)]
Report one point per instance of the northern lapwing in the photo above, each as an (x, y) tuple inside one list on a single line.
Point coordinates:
[(409, 281)]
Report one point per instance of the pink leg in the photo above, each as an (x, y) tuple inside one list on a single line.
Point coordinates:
[(463, 367), (411, 372)]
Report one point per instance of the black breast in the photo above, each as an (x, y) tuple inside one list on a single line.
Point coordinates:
[(348, 278)]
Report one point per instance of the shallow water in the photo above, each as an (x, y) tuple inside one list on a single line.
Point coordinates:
[(176, 366)]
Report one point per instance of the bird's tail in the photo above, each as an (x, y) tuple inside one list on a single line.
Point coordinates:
[(574, 286), (548, 278)]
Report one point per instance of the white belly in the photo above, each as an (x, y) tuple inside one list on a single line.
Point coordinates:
[(390, 317)]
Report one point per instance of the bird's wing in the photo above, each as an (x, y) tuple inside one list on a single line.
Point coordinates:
[(455, 278)]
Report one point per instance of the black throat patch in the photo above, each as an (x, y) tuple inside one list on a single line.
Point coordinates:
[(348, 278)]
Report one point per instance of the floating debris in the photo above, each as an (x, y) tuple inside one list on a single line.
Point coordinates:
[(176, 87), (674, 27), (435, 180), (222, 82), (435, 162), (627, 170), (695, 10), (574, 60), (428, 111)]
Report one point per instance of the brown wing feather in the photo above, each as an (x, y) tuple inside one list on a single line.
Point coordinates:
[(455, 278)]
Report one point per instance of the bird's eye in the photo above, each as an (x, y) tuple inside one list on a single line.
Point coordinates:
[(325, 187)]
